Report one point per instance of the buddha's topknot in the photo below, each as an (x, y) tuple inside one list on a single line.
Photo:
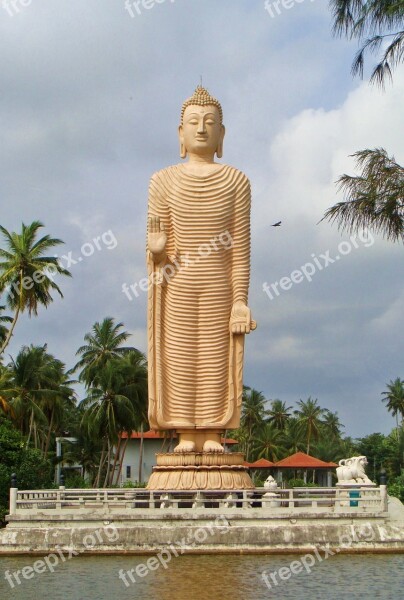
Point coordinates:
[(201, 97)]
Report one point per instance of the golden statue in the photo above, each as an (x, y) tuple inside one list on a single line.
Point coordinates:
[(198, 254)]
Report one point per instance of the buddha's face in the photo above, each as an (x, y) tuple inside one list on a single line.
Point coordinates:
[(201, 132)]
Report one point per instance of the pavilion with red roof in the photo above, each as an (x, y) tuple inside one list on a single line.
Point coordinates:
[(301, 463)]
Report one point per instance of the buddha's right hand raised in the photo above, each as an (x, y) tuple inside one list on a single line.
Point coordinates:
[(156, 238)]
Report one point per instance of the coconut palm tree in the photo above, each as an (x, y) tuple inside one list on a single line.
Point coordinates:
[(114, 404), (372, 22), (309, 415), (269, 443), (374, 199), (328, 449), (103, 343), (56, 405), (293, 436), (253, 413), (85, 451), (26, 385), (133, 366), (394, 398), (279, 414), (332, 426), (394, 451), (5, 385), (3, 328), (26, 272), (37, 386)]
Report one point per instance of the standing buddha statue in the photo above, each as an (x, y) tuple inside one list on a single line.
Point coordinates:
[(198, 255)]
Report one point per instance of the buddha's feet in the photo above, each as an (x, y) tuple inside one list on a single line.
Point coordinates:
[(212, 446), (185, 446), (199, 441)]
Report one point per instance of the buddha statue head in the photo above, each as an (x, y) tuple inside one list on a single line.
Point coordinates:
[(201, 131)]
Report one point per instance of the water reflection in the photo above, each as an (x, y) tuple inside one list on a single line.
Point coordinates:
[(209, 577)]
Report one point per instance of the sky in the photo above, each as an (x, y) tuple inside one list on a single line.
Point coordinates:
[(90, 99)]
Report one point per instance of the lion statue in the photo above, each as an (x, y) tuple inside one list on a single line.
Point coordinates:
[(352, 470)]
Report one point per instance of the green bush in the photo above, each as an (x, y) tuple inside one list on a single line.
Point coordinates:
[(259, 482), (76, 481), (295, 483), (31, 469), (395, 487), (292, 483), (130, 484)]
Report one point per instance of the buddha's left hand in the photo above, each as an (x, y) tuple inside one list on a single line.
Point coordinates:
[(240, 319)]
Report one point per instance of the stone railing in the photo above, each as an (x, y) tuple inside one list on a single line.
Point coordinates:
[(137, 500)]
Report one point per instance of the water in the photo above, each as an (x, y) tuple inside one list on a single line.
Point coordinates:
[(211, 577)]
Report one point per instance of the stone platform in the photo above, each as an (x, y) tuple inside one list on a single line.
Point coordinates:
[(202, 532), (139, 521), (200, 471)]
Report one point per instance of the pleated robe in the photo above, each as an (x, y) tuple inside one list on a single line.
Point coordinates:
[(195, 363)]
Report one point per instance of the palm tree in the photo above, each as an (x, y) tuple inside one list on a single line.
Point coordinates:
[(309, 416), (394, 397), (293, 435), (26, 385), (279, 414), (37, 387), (103, 343), (114, 404), (374, 199), (3, 329), (332, 426), (26, 273), (269, 443), (5, 385), (85, 451), (394, 451), (379, 19), (56, 405), (133, 366), (253, 413), (328, 449)]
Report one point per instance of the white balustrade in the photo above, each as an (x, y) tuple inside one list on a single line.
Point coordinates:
[(138, 500)]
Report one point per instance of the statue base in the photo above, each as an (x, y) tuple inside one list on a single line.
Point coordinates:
[(200, 471)]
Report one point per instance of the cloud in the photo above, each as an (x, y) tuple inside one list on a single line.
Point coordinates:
[(89, 110), (340, 326)]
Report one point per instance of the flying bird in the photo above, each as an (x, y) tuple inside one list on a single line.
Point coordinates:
[(278, 224)]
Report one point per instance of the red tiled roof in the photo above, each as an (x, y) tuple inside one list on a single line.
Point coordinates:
[(262, 463), (158, 435), (300, 460), (147, 435)]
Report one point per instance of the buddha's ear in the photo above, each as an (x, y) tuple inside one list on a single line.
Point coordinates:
[(219, 150), (183, 150)]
